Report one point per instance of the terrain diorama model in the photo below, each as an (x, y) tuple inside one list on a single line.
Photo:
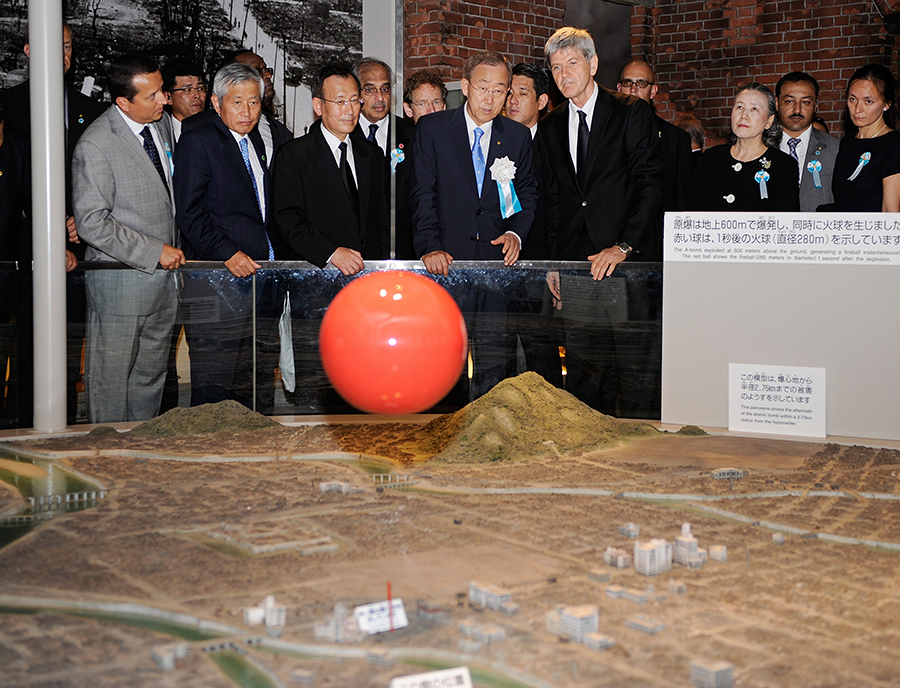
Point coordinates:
[(526, 537)]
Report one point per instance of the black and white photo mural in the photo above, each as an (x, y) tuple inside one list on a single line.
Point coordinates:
[(294, 37)]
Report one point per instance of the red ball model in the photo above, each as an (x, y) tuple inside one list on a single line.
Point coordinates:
[(393, 342)]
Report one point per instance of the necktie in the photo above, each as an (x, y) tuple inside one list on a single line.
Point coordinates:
[(348, 179), (150, 147), (478, 159), (584, 135), (792, 144), (373, 129), (245, 153)]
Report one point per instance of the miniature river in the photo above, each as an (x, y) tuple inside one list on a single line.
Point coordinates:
[(51, 489)]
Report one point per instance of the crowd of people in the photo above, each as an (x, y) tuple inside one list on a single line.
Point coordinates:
[(164, 175)]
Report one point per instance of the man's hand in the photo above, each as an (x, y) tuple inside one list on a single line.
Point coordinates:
[(347, 261), (241, 265), (171, 258), (71, 261), (71, 230), (553, 285), (510, 247), (438, 262), (604, 263)]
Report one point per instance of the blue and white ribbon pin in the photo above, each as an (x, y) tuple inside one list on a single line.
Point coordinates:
[(397, 156), (863, 161), (503, 172), (761, 178), (815, 166)]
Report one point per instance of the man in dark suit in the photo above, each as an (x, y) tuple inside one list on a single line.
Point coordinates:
[(637, 79), (603, 176), (473, 198), (80, 111), (185, 91), (121, 183), (797, 95), (375, 123), (327, 186), (222, 199)]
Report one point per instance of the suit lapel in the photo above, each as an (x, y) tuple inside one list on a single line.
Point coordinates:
[(599, 122), (363, 182), (235, 158), (461, 150), (135, 151), (331, 174), (561, 133)]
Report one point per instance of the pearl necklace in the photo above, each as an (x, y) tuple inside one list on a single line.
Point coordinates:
[(874, 135)]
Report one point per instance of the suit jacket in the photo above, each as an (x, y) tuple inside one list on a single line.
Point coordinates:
[(216, 207), (623, 192), (447, 213), (678, 179), (311, 206), (81, 112), (15, 198), (280, 133), (824, 148), (535, 247)]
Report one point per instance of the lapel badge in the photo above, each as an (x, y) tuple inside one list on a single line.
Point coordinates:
[(81, 119)]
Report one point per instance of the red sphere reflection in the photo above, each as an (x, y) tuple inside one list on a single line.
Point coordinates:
[(393, 342)]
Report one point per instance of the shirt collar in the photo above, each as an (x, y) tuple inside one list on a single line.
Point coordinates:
[(471, 125)]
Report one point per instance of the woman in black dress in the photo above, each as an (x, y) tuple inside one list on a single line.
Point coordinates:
[(867, 168), (750, 174)]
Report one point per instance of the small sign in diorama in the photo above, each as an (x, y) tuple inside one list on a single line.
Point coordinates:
[(805, 238), (445, 678), (780, 400), (374, 618)]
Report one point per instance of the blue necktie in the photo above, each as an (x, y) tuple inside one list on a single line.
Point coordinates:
[(245, 152), (373, 129), (478, 159)]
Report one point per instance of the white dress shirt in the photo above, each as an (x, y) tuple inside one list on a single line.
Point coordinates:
[(334, 144), (802, 147), (381, 135), (588, 110), (256, 166)]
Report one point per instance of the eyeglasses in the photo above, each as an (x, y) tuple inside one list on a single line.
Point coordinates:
[(372, 90), (495, 92), (266, 70), (354, 102), (640, 83), (421, 104), (190, 89)]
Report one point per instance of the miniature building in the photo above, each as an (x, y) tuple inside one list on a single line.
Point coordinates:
[(727, 473), (677, 587), (598, 641), (653, 557), (686, 547), (613, 556), (334, 486), (635, 596), (553, 622), (428, 610), (718, 553), (468, 627), (644, 624), (340, 627), (615, 591), (165, 656), (778, 538), (509, 608), (712, 674), (489, 634), (470, 646), (599, 575), (380, 658), (268, 613), (631, 530), (577, 621), (303, 677), (488, 596)]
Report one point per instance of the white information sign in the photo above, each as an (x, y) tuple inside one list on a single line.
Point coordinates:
[(374, 618), (779, 400), (445, 678), (808, 238)]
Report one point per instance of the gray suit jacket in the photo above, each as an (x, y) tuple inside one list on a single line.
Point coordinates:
[(824, 148), (124, 213), (122, 209)]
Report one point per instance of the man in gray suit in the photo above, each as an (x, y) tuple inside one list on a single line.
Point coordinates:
[(124, 209), (797, 94)]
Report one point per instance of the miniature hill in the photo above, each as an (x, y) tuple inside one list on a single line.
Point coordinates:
[(225, 416), (523, 417)]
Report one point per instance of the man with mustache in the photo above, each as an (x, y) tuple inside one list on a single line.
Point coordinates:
[(797, 95)]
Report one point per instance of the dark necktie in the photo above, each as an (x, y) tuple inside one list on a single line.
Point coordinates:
[(584, 135), (347, 175), (792, 144), (150, 147), (373, 129)]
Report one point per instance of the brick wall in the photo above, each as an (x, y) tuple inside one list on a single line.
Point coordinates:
[(442, 34), (702, 50)]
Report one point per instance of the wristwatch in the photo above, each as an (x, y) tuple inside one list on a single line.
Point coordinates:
[(624, 248)]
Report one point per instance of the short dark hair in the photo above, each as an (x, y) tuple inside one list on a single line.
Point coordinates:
[(886, 85), (796, 77), (424, 78), (121, 73), (487, 57), (341, 69), (538, 76), (173, 69)]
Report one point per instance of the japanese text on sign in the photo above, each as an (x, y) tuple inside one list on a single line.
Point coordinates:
[(445, 678), (776, 400), (374, 618)]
